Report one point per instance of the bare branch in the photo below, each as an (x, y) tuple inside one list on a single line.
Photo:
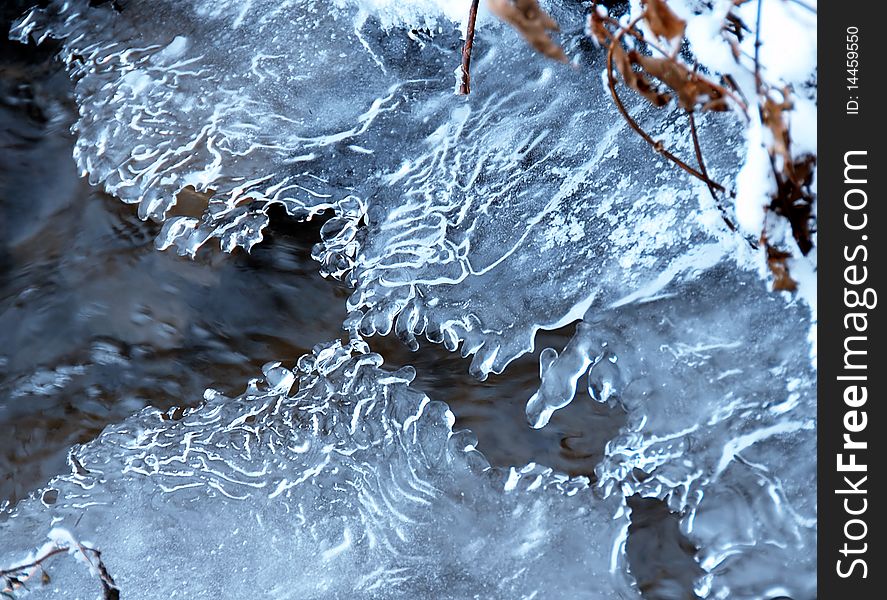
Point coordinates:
[(465, 85), (656, 145), (630, 30), (17, 577)]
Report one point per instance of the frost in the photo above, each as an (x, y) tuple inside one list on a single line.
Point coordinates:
[(429, 14), (445, 202)]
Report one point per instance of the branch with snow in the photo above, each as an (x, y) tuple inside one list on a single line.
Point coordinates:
[(748, 49), (755, 57), (61, 541)]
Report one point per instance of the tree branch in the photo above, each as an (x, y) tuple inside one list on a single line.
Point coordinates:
[(17, 577), (656, 145), (465, 84)]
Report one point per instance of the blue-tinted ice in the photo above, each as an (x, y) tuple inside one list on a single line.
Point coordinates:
[(474, 222)]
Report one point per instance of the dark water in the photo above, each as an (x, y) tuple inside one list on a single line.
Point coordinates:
[(95, 324)]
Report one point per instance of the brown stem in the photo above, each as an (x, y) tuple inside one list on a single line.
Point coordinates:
[(758, 83), (697, 148), (30, 569), (731, 81), (465, 85), (110, 591), (701, 162), (657, 146), (630, 30)]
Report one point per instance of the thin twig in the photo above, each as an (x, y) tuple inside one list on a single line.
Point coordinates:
[(16, 577), (758, 82), (656, 145), (731, 81), (762, 93), (630, 30), (699, 159), (465, 84), (30, 569), (110, 591)]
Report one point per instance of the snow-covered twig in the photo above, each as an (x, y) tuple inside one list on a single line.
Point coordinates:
[(62, 542)]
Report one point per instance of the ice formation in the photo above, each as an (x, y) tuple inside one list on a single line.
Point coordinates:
[(474, 222), (353, 487)]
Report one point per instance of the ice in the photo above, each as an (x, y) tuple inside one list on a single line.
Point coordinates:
[(472, 221), (450, 200), (721, 420), (354, 486), (721, 411)]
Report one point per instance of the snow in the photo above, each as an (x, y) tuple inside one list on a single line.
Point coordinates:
[(754, 183), (788, 39)]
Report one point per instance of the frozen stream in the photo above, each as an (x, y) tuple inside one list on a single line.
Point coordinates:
[(523, 227)]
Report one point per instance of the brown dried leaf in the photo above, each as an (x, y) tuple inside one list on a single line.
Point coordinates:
[(772, 115), (635, 79), (716, 105), (596, 26), (793, 198), (532, 22), (776, 260), (662, 21), (690, 88)]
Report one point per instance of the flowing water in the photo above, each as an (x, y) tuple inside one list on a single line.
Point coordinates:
[(89, 337)]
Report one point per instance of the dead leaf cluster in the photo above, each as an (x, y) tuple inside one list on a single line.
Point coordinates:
[(777, 262), (533, 23), (651, 65), (641, 71), (793, 198)]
